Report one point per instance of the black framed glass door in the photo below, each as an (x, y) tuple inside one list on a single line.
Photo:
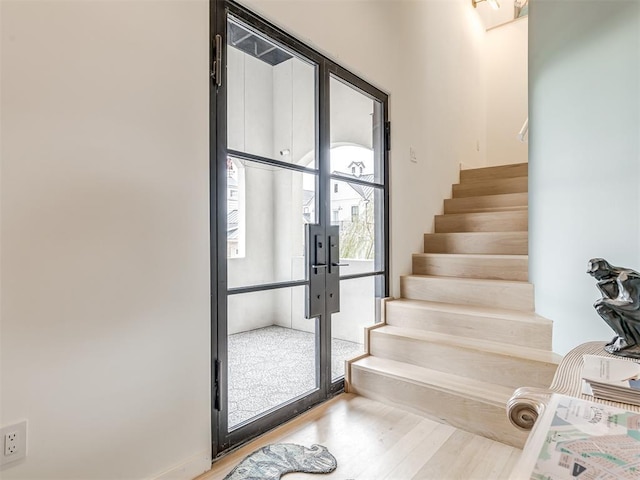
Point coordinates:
[(298, 168)]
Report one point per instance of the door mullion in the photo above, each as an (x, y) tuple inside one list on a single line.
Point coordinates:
[(324, 217)]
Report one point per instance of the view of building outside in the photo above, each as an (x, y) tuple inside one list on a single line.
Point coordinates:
[(235, 231), (352, 205)]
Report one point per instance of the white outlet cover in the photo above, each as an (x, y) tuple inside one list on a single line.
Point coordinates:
[(20, 429)]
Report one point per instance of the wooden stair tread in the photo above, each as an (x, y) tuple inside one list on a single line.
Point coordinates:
[(496, 171), (475, 256), (478, 281), (477, 242), (490, 203), (513, 294), (447, 382), (502, 313), (503, 221), (513, 208), (495, 266), (490, 187), (488, 346), (479, 235), (487, 215), (514, 327)]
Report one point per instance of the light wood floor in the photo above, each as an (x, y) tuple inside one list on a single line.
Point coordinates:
[(374, 441)]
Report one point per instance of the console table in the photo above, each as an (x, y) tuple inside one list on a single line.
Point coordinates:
[(528, 403)]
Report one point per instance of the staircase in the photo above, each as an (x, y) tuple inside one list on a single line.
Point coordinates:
[(463, 336)]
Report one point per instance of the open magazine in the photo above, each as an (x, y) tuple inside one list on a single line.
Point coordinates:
[(614, 379), (578, 439)]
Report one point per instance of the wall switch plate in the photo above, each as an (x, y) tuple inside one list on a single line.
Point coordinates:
[(412, 155), (14, 442)]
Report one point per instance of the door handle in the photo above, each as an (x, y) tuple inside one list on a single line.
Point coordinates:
[(317, 266), (333, 272), (322, 291)]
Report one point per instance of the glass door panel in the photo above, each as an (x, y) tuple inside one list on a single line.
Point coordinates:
[(357, 207), (358, 302), (267, 208), (356, 210), (272, 352), (357, 133), (271, 98)]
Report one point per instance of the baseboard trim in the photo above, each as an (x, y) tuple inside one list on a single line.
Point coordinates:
[(189, 469)]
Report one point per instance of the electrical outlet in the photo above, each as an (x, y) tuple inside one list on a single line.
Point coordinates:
[(14, 439), (10, 444)]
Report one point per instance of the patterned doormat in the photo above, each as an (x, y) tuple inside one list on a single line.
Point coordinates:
[(273, 461)]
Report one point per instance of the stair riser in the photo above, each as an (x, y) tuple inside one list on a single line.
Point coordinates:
[(517, 221), (491, 187), (513, 201), (507, 243), (500, 171), (479, 267), (514, 296), (477, 417), (480, 365), (525, 334)]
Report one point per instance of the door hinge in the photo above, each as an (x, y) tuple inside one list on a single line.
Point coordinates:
[(216, 385), (216, 60), (387, 136)]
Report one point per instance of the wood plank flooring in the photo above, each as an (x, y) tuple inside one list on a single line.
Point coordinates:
[(374, 441)]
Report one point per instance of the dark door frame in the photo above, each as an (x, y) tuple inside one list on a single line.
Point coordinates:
[(222, 438)]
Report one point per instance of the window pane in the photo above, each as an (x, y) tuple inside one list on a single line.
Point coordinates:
[(358, 302), (356, 133), (272, 351), (356, 210), (270, 100), (265, 222)]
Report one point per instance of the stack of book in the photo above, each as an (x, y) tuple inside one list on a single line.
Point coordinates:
[(614, 379)]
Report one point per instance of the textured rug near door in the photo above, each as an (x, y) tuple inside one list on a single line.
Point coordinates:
[(273, 461)]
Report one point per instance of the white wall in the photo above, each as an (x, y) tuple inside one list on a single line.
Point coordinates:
[(495, 17), (584, 198), (426, 54), (507, 90), (105, 225), (433, 110), (105, 237)]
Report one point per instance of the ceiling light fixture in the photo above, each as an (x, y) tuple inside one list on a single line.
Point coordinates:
[(494, 3)]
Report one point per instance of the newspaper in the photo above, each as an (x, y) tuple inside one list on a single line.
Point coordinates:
[(579, 439)]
